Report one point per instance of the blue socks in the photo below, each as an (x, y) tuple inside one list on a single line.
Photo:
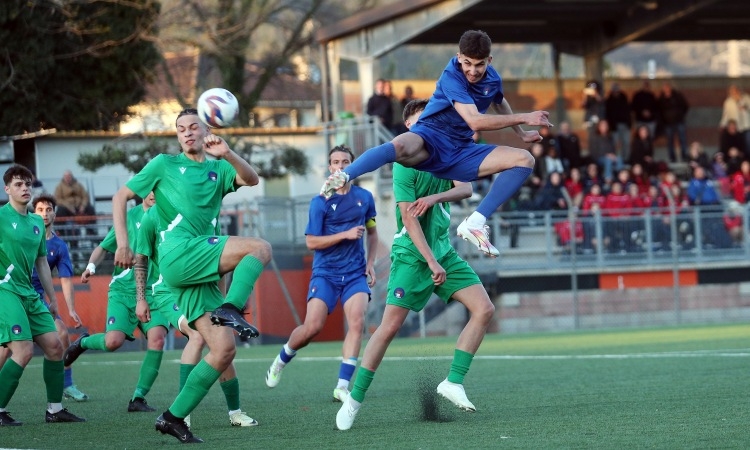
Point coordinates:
[(68, 382), (505, 186), (372, 160)]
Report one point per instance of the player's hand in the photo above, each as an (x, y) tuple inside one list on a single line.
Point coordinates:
[(215, 146), (531, 136), (370, 276), (124, 258), (438, 273), (143, 311), (421, 205), (74, 315), (52, 306), (538, 119), (354, 233), (85, 276)]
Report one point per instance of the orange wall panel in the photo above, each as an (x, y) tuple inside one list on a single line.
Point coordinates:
[(646, 279)]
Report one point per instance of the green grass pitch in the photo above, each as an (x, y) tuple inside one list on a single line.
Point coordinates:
[(681, 388)]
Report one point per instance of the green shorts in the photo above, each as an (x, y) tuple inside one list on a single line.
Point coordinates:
[(165, 305), (191, 261), (195, 301), (410, 285), (121, 317), (23, 318)]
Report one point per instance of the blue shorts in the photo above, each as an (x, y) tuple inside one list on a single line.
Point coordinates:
[(332, 288), (450, 159)]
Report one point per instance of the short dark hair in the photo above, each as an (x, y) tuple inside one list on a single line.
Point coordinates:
[(44, 198), (17, 171), (187, 112), (413, 107), (475, 44), (340, 148)]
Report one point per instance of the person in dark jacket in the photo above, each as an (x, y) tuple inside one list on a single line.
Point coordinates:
[(673, 108)]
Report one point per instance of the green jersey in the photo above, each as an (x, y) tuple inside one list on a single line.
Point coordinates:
[(408, 186), (22, 241), (123, 280), (188, 194)]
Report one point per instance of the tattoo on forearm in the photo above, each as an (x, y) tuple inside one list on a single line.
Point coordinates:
[(140, 269)]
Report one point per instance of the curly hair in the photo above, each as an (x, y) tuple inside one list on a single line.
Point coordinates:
[(475, 44)]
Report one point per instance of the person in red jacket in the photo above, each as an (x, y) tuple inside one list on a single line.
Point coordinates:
[(616, 207), (740, 183)]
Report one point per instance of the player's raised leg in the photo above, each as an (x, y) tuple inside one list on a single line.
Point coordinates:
[(481, 311), (513, 166), (407, 149), (246, 257)]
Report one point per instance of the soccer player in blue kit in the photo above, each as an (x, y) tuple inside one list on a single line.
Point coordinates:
[(341, 271), (441, 142)]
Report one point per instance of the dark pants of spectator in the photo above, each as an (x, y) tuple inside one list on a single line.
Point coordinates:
[(680, 131)]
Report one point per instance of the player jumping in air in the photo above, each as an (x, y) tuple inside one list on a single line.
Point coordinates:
[(442, 141), (423, 262)]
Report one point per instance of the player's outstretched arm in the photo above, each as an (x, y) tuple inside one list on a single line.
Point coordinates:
[(45, 277), (487, 122), (216, 146), (460, 191)]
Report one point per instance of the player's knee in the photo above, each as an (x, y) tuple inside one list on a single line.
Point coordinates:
[(356, 324), (485, 312), (156, 341), (402, 150), (113, 341), (526, 159), (53, 349), (263, 251), (22, 356)]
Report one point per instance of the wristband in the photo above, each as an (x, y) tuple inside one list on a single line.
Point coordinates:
[(91, 267)]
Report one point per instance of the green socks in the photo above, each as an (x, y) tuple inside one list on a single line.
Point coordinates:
[(9, 376), (54, 378), (196, 387), (231, 390), (185, 370), (245, 275), (149, 372), (94, 342), (362, 383), (459, 366)]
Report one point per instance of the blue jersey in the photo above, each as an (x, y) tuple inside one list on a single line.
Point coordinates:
[(57, 257), (452, 86), (340, 213)]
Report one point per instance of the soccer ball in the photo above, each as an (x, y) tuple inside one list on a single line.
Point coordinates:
[(218, 108)]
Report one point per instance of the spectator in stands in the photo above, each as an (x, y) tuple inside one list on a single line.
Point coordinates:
[(737, 108), (731, 137), (719, 173), (642, 150), (37, 187), (397, 123), (673, 108), (701, 190), (592, 178), (740, 183), (590, 207), (733, 222), (617, 109), (617, 206), (656, 202), (623, 177), (734, 160), (645, 108), (552, 162), (574, 185), (548, 139), (550, 196), (569, 146), (593, 105), (668, 179), (602, 150), (379, 105), (408, 96), (697, 157), (73, 200), (539, 173), (639, 177)]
